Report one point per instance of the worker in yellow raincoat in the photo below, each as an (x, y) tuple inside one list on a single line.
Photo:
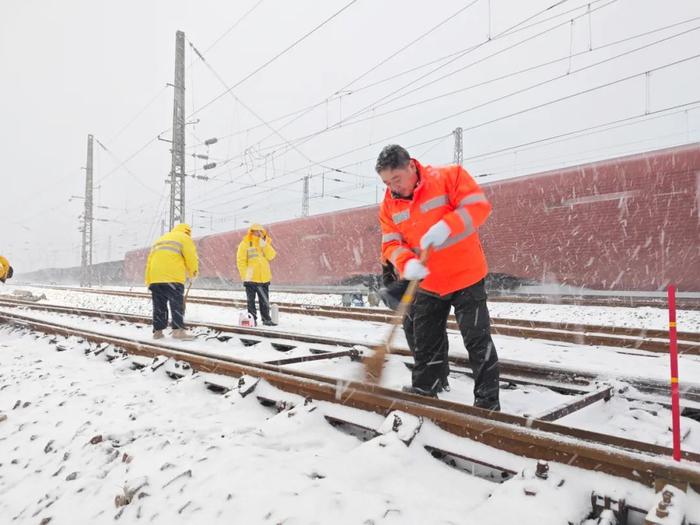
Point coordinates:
[(172, 260), (253, 259), (6, 270)]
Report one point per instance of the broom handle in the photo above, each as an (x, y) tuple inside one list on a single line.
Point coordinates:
[(187, 292), (404, 305)]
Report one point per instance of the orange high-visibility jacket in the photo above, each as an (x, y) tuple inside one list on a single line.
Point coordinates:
[(446, 193)]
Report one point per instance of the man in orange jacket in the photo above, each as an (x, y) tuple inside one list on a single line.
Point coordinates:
[(440, 208)]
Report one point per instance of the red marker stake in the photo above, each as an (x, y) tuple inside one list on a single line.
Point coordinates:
[(675, 403)]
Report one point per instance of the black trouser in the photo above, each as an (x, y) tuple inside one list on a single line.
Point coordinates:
[(411, 340), (162, 294), (262, 290), (429, 323)]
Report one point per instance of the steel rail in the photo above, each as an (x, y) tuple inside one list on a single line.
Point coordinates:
[(496, 296)]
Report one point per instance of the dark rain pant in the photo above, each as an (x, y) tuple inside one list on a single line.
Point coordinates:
[(164, 294), (429, 323), (444, 350), (262, 290)]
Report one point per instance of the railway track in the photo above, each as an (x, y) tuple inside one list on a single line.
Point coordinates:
[(682, 303), (538, 438), (512, 372), (651, 340), (559, 379)]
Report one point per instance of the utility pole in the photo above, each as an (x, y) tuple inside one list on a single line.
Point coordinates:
[(86, 257), (458, 145), (177, 169), (305, 198)]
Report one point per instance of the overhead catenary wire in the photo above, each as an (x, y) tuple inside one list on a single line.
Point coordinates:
[(641, 117), (342, 90), (507, 116), (513, 29), (506, 32), (502, 77), (468, 50), (440, 138), (248, 108), (125, 167), (137, 115), (621, 123), (411, 43), (275, 57), (568, 161), (566, 74), (260, 68), (538, 84), (232, 27), (380, 101)]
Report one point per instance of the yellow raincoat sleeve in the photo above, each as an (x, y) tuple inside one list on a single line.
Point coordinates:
[(189, 252), (242, 259), (268, 251)]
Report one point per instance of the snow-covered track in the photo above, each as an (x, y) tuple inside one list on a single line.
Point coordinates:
[(650, 340), (642, 462), (566, 380), (622, 300)]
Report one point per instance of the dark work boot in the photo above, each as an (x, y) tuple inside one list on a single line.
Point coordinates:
[(418, 391), (488, 404)]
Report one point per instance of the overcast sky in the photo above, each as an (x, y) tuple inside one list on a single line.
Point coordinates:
[(70, 68)]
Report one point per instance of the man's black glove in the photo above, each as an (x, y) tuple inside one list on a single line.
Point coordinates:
[(391, 295)]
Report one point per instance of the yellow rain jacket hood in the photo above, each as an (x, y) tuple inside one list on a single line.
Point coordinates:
[(173, 257), (254, 256)]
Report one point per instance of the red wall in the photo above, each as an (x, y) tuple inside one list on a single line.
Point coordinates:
[(322, 249), (629, 223)]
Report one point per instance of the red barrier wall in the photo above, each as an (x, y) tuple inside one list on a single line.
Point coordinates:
[(626, 224)]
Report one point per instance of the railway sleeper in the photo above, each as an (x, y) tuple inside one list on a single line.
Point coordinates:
[(177, 369), (113, 352), (406, 426)]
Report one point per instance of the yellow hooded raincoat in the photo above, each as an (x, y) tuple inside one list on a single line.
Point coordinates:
[(4, 268), (253, 260), (173, 257)]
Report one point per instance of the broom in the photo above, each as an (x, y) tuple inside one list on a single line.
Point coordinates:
[(184, 302), (374, 364)]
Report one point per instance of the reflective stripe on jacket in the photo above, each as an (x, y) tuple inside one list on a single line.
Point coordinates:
[(253, 260), (173, 258), (443, 193)]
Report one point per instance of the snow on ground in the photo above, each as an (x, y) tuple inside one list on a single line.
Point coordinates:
[(206, 458), (185, 455)]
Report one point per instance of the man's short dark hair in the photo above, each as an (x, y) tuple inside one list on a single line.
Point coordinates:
[(392, 156)]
